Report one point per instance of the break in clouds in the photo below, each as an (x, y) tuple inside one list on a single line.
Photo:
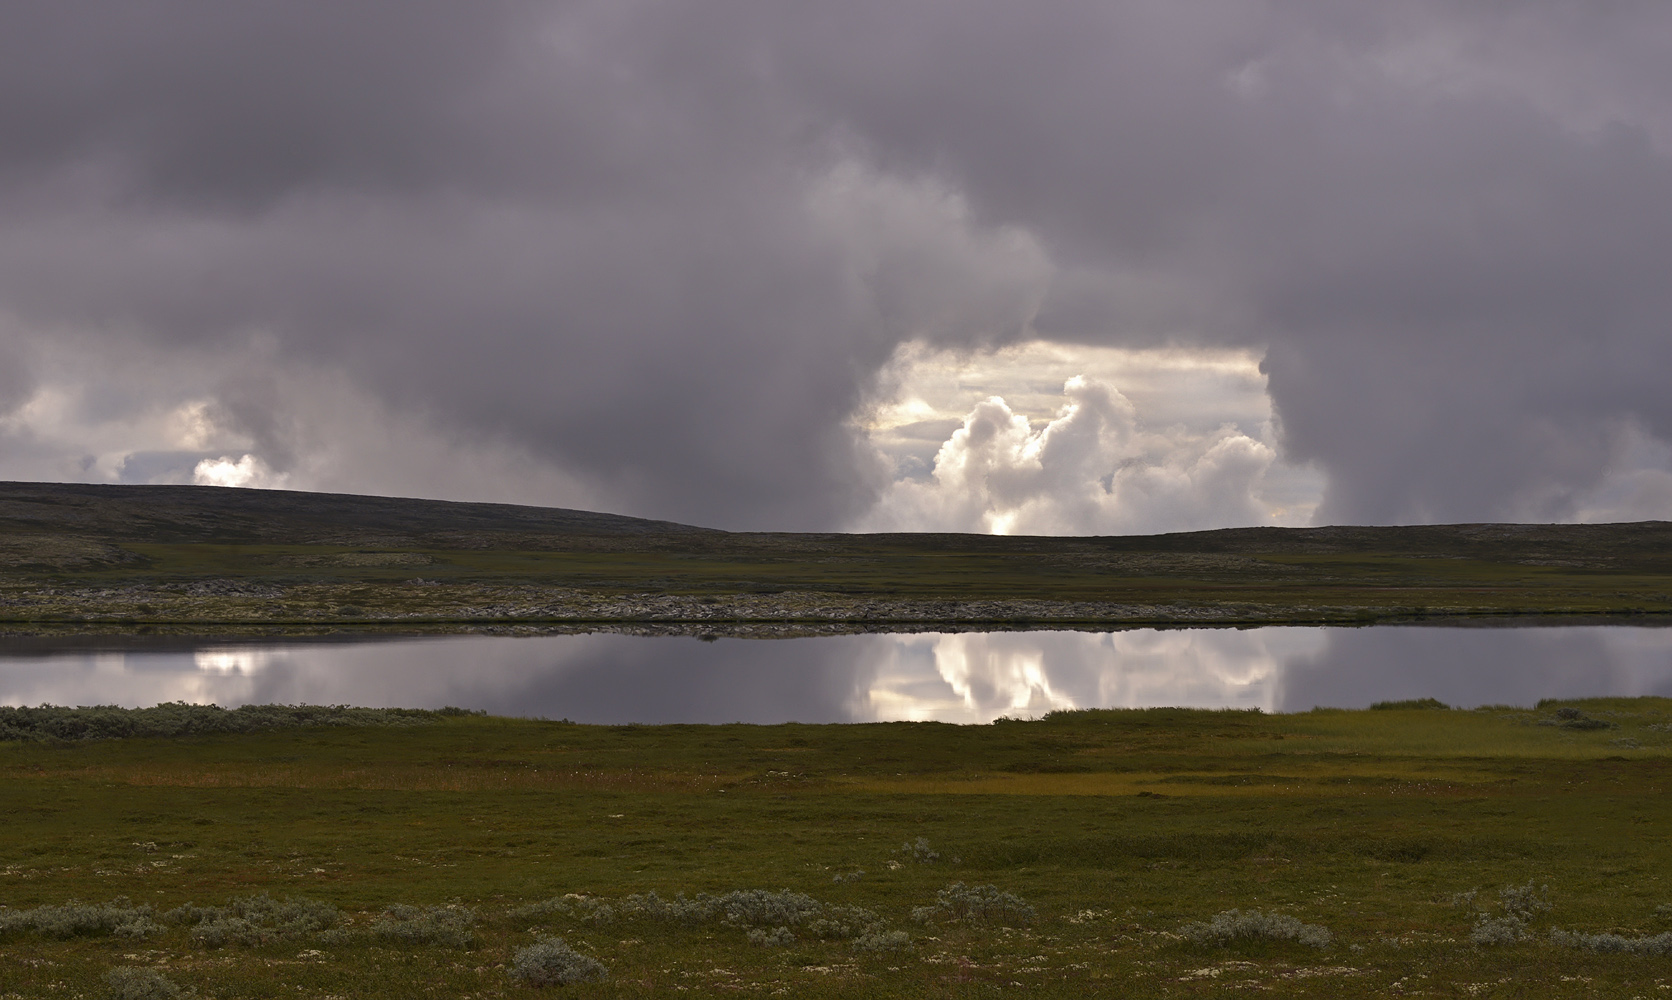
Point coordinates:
[(1067, 266)]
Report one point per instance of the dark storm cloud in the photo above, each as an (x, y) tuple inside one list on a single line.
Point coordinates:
[(1460, 283), (609, 231)]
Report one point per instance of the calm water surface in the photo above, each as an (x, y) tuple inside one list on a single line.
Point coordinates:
[(969, 677)]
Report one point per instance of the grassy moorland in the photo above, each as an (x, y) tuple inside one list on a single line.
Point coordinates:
[(163, 558), (1401, 851)]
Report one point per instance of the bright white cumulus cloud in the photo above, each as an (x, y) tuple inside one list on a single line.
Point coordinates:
[(1095, 465), (248, 470)]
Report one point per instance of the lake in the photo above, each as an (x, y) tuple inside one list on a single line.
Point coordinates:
[(970, 677)]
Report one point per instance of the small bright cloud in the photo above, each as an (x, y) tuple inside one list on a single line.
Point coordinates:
[(248, 470)]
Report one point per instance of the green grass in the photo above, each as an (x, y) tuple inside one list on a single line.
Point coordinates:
[(1119, 829)]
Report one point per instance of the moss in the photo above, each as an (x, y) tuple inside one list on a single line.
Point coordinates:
[(615, 840)]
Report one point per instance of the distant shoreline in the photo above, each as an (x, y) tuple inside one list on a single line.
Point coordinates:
[(208, 560)]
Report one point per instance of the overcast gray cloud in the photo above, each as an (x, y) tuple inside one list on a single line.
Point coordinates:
[(658, 252)]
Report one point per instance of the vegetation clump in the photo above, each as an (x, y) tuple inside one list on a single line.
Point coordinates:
[(1229, 926), (1518, 906), (881, 939), (1489, 930), (178, 718), (552, 962), (127, 982), (448, 926), (1614, 944), (1568, 717), (253, 920), (1408, 704), (763, 908), (769, 919), (975, 904), (777, 937), (118, 918)]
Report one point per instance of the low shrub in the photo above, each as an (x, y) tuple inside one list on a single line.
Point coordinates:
[(1614, 944), (552, 962), (975, 904), (1572, 718), (443, 925), (761, 908), (777, 937), (119, 918), (881, 939), (1525, 901), (752, 910), (253, 920), (1519, 905), (1489, 931), (1230, 926), (843, 922), (129, 983)]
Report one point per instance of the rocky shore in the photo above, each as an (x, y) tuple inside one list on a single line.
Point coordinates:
[(430, 606)]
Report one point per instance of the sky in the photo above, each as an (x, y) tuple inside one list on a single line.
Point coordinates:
[(1071, 266)]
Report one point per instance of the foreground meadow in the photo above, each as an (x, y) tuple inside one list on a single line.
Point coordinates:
[(1402, 851)]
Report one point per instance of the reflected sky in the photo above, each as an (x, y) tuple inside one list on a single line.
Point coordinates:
[(964, 678)]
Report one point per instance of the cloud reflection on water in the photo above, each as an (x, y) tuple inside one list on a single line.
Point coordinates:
[(963, 678)]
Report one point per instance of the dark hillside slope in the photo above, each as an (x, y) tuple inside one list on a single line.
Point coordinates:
[(1541, 544), (1645, 542), (176, 514), (190, 557)]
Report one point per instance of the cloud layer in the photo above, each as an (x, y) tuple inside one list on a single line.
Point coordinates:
[(653, 256)]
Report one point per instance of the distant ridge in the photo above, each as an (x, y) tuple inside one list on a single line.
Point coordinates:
[(200, 558), (207, 514), (231, 514)]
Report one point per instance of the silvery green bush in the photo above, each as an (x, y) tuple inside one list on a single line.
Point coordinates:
[(975, 904), (551, 961), (1489, 930), (1525, 901), (1656, 944), (1253, 925), (443, 925), (253, 920), (129, 983), (881, 939), (751, 910), (777, 937), (762, 908), (1519, 905), (119, 917), (843, 922)]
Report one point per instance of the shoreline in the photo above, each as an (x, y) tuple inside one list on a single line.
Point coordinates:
[(124, 633)]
